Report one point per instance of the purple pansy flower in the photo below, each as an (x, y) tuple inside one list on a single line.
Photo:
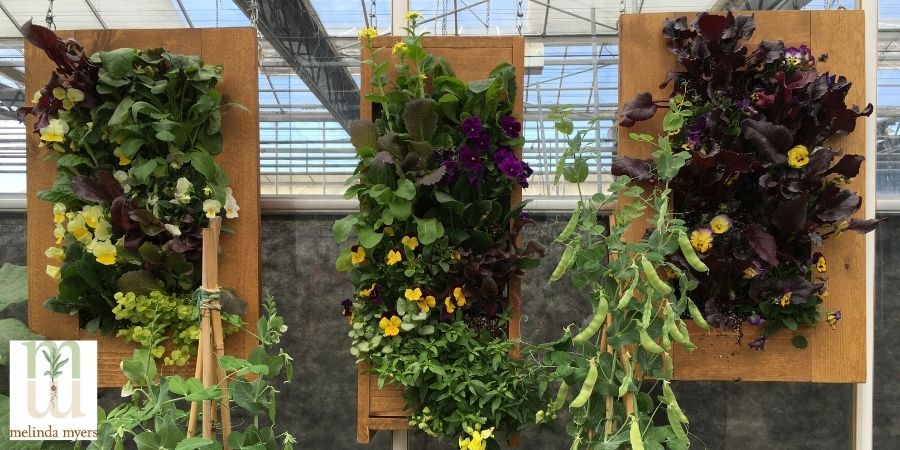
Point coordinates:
[(469, 158), (757, 320), (511, 126), (801, 57), (758, 343), (481, 142), (471, 127), (510, 166)]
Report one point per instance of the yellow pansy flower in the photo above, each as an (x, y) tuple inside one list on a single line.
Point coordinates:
[(390, 327), (72, 97), (367, 33), (410, 242), (368, 291), (59, 92), (59, 213), (211, 207), (785, 299), (104, 252), (123, 160), (720, 224), (821, 264), (357, 254), (413, 295), (78, 230), (59, 233), (393, 257), (55, 131), (455, 255), (458, 295), (750, 272), (448, 305), (183, 188), (702, 239), (56, 253), (426, 303), (832, 318), (53, 271), (798, 156), (91, 214)]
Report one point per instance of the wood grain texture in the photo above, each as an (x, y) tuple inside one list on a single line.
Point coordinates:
[(835, 356), (235, 49), (472, 58)]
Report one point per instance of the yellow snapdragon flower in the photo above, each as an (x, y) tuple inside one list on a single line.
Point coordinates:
[(211, 208), (59, 213)]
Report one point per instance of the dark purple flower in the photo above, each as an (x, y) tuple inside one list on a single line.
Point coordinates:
[(757, 320), (476, 175), (511, 126), (525, 215), (510, 166), (696, 129), (470, 158), (346, 304), (801, 57), (481, 142), (526, 173), (451, 171), (471, 127), (758, 343)]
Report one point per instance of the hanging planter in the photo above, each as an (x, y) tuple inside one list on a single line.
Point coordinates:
[(773, 187), (435, 254), (123, 173)]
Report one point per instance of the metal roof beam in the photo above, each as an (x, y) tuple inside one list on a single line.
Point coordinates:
[(309, 57)]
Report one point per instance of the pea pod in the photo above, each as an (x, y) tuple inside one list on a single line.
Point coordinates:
[(566, 261), (596, 322), (668, 365), (626, 384), (677, 335), (689, 254), (570, 225), (634, 435), (648, 343), (695, 314), (675, 424), (587, 388), (561, 395), (646, 314), (629, 292), (666, 342), (653, 278), (669, 397)]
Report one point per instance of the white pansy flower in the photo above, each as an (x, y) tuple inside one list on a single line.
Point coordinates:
[(183, 189), (231, 206), (211, 208)]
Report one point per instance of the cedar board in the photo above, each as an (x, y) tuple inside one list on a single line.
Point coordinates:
[(236, 50), (833, 356), (471, 58)]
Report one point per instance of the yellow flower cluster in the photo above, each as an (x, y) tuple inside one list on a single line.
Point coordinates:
[(88, 227), (367, 34), (412, 15), (478, 439)]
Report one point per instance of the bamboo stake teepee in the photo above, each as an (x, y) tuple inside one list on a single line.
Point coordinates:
[(211, 346)]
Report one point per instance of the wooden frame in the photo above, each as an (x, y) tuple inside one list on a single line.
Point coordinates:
[(236, 50), (472, 58), (833, 356)]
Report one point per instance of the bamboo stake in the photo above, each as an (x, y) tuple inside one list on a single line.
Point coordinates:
[(192, 421)]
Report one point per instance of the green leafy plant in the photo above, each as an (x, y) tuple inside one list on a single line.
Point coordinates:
[(606, 366), (133, 134), (435, 242)]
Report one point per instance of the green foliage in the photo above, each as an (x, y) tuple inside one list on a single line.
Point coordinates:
[(641, 312)]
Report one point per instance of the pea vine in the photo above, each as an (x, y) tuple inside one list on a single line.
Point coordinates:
[(638, 299)]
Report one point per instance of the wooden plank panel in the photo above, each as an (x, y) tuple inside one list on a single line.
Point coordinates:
[(239, 267), (832, 355), (840, 355), (472, 58), (239, 261)]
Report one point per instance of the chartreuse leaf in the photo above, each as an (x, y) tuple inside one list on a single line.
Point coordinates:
[(405, 189), (13, 285), (13, 330), (343, 227), (429, 230), (369, 238)]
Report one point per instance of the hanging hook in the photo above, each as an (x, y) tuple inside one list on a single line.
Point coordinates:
[(49, 17)]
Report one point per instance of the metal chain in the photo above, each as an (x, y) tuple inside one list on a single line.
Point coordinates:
[(49, 17), (520, 16), (444, 19), (254, 21), (217, 13), (487, 19), (373, 16)]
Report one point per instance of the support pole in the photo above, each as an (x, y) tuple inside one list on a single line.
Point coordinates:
[(399, 439), (399, 8)]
